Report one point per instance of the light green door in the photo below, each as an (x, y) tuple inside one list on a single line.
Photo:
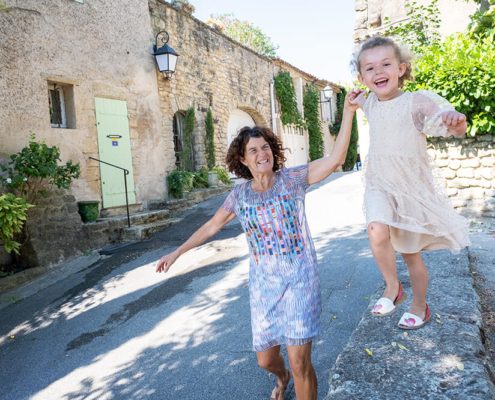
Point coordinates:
[(114, 145)]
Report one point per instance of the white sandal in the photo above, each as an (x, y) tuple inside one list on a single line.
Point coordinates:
[(412, 321), (384, 306)]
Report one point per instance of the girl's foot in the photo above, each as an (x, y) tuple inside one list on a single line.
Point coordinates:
[(279, 390), (414, 321), (385, 306)]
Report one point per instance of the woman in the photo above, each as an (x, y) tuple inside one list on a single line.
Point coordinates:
[(283, 279)]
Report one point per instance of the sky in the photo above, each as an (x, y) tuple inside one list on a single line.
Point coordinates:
[(313, 35)]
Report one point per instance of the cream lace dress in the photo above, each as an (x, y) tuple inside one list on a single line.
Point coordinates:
[(400, 190)]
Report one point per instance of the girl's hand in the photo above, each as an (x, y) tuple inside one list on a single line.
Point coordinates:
[(164, 263), (355, 99), (455, 122), (453, 118)]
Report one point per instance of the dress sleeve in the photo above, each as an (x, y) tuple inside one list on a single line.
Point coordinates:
[(298, 176), (230, 201), (427, 110)]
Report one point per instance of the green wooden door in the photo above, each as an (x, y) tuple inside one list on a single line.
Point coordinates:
[(114, 145)]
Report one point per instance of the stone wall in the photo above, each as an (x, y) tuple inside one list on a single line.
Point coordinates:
[(371, 15), (100, 49), (212, 71), (468, 167)]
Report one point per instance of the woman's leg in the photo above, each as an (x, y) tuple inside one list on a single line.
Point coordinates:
[(384, 253), (303, 372), (418, 275), (273, 362)]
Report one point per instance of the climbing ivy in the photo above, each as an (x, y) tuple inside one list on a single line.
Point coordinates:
[(334, 127), (210, 140), (286, 95), (312, 119)]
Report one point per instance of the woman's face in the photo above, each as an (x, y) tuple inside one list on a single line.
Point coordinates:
[(258, 156)]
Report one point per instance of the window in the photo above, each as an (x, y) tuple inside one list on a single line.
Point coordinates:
[(61, 105)]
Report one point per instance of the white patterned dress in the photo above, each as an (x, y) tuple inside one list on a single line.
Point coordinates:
[(400, 190), (284, 285)]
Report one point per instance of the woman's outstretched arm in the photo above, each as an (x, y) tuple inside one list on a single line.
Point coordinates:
[(206, 231)]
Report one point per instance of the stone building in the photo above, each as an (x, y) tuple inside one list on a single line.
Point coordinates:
[(468, 164), (80, 75)]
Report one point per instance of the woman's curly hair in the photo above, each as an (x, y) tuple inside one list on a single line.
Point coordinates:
[(401, 52), (238, 147)]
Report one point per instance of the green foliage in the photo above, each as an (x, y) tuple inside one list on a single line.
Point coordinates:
[(352, 151), (312, 118), (286, 95), (351, 156), (89, 210), (210, 140), (223, 175), (179, 182), (420, 29), (335, 127), (483, 23), (35, 168), (200, 178), (462, 69), (187, 145), (245, 33), (13, 214)]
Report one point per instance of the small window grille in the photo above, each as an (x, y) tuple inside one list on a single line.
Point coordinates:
[(58, 118)]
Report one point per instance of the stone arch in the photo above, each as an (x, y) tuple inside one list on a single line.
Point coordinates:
[(241, 117)]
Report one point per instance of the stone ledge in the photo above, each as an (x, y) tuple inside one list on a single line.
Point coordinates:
[(444, 360)]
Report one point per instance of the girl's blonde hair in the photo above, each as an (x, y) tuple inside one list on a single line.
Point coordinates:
[(402, 54)]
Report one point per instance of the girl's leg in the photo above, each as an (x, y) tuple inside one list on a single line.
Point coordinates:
[(384, 253), (418, 275), (305, 382), (273, 362)]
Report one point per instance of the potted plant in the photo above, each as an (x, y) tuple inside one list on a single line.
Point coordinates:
[(89, 210)]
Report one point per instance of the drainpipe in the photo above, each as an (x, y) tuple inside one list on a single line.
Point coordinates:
[(272, 104)]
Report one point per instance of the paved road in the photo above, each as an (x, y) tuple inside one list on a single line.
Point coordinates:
[(117, 330)]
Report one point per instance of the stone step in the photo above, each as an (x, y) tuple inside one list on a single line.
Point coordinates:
[(120, 210), (140, 232), (141, 218)]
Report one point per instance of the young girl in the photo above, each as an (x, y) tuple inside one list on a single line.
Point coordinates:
[(405, 211)]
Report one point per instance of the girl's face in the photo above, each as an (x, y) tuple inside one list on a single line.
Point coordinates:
[(380, 71), (258, 156)]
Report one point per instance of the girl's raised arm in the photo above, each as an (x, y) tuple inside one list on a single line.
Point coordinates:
[(323, 167)]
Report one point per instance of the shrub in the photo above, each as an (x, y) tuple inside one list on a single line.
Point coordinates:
[(13, 214), (210, 140), (223, 175), (179, 182), (187, 159), (35, 168)]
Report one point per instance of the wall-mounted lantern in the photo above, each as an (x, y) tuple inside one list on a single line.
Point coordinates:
[(326, 97), (165, 56)]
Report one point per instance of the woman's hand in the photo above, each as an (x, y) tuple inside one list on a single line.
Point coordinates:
[(455, 122), (164, 263)]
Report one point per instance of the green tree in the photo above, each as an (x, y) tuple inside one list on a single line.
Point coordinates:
[(210, 140), (244, 32), (420, 28), (187, 145), (312, 118)]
